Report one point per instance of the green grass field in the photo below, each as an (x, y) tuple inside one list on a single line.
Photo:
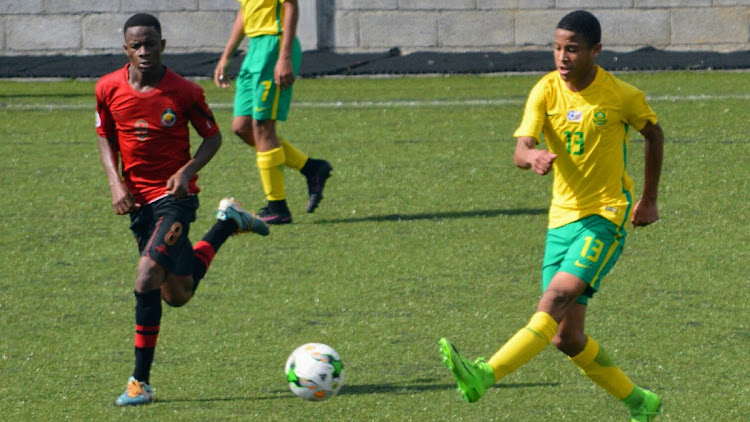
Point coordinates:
[(427, 230)]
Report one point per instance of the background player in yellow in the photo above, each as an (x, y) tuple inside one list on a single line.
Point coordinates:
[(584, 115), (264, 95)]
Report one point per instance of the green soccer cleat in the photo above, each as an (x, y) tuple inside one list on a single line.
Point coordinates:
[(136, 393), (473, 378), (648, 411), (229, 208)]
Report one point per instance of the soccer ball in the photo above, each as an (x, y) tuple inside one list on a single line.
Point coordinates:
[(314, 372)]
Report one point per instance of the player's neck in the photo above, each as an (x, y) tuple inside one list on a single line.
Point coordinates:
[(584, 82), (145, 81)]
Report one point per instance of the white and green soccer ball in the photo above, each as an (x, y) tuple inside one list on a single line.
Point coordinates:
[(314, 372)]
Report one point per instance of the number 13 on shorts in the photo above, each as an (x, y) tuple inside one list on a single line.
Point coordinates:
[(592, 249)]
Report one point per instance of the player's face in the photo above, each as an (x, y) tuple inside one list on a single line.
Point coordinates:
[(574, 58), (144, 47)]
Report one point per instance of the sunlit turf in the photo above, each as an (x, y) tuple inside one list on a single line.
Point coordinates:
[(427, 230)]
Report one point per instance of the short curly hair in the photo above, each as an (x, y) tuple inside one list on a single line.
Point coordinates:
[(142, 19), (584, 24)]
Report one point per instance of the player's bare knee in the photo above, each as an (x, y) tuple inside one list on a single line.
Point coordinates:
[(175, 299), (558, 341), (244, 130), (150, 275), (570, 344), (555, 302), (177, 290), (175, 303), (562, 341)]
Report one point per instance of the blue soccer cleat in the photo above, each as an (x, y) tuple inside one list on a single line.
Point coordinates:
[(136, 393), (229, 208)]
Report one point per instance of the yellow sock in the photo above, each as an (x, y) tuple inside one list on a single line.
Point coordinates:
[(596, 364), (295, 158), (271, 167), (524, 345)]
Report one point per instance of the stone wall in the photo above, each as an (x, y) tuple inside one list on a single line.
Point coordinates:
[(82, 27)]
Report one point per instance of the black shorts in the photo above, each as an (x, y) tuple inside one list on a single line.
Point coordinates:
[(161, 229)]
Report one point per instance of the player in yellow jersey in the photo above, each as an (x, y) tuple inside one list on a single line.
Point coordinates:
[(264, 95), (584, 115)]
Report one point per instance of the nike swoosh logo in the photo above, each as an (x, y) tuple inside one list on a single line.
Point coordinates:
[(259, 109), (578, 264)]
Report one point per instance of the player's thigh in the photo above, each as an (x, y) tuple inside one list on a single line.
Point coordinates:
[(255, 80), (244, 95), (142, 225), (280, 110), (169, 244), (587, 248), (594, 250), (262, 98), (555, 248)]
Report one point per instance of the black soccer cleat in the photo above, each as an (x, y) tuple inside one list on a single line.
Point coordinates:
[(277, 212), (317, 173)]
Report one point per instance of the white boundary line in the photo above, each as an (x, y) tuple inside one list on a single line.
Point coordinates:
[(391, 104)]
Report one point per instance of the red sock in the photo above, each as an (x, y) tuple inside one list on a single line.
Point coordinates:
[(204, 255)]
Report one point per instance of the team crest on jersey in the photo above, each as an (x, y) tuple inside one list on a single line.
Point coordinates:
[(168, 118), (574, 116), (600, 118)]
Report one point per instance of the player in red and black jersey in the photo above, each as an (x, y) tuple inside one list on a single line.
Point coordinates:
[(142, 116)]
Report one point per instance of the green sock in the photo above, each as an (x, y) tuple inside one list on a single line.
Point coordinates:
[(599, 367)]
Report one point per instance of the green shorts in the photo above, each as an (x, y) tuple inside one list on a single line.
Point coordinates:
[(587, 248), (257, 94)]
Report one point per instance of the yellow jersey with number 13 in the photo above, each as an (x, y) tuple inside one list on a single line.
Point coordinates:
[(588, 131), (262, 17)]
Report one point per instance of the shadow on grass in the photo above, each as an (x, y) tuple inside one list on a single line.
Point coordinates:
[(224, 399), (438, 215), (416, 386), (48, 95), (424, 385)]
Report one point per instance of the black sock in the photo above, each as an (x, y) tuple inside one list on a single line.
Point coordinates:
[(310, 165), (279, 206), (147, 320), (220, 232)]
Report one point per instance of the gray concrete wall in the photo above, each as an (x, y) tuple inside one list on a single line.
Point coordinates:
[(80, 27)]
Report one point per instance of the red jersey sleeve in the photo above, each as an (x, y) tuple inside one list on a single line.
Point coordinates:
[(201, 116), (105, 124)]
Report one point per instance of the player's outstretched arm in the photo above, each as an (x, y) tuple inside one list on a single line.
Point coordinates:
[(646, 211), (528, 157), (122, 200), (235, 38)]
